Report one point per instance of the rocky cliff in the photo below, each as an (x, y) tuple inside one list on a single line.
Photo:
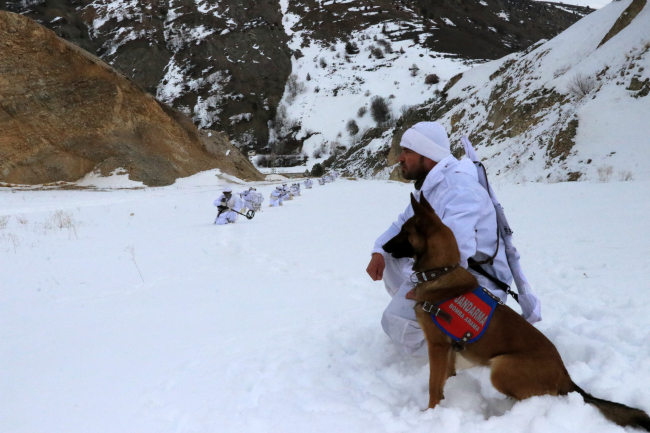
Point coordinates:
[(64, 112), (225, 63)]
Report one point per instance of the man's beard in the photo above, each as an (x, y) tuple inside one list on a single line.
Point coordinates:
[(415, 173)]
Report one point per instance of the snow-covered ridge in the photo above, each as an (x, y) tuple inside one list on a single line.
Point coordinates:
[(566, 109)]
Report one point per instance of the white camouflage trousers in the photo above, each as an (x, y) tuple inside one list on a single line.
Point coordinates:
[(225, 218), (398, 320)]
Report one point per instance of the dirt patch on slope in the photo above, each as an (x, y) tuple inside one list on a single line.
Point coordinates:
[(64, 112)]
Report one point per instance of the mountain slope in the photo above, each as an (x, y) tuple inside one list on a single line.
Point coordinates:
[(226, 63), (573, 108)]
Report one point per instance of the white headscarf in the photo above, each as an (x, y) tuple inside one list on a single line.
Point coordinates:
[(429, 139)]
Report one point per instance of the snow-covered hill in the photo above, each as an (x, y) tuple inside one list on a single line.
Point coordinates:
[(129, 311), (572, 108), (568, 109)]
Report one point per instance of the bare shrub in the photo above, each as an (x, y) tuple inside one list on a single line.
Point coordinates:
[(431, 79), (387, 46), (404, 109), (336, 148), (352, 127), (294, 87), (64, 220), (625, 175), (414, 70), (380, 109), (604, 172), (4, 220), (367, 93), (316, 89), (362, 111), (22, 220), (581, 85), (351, 48), (322, 62), (377, 53), (15, 241), (320, 150)]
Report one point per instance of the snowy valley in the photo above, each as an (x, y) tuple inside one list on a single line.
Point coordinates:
[(137, 314)]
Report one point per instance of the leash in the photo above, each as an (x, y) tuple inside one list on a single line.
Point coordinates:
[(476, 266)]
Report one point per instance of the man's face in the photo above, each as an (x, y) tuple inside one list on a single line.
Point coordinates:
[(414, 166), (227, 194)]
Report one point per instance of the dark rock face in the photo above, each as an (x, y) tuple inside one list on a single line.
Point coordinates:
[(477, 29), (64, 112), (225, 64)]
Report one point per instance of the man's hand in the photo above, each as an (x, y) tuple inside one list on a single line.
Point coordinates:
[(376, 267)]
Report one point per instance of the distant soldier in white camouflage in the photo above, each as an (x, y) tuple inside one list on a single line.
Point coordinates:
[(308, 183), (229, 205), (276, 197)]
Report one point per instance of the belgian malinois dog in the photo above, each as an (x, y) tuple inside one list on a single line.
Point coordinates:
[(523, 362)]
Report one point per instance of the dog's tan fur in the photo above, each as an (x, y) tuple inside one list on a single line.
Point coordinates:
[(523, 362)]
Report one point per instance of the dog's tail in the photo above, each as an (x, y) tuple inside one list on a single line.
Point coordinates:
[(618, 413)]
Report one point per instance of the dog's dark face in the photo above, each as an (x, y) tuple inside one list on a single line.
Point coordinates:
[(399, 246), (424, 234), (411, 240)]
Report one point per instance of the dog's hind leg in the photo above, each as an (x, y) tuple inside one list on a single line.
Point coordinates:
[(522, 376)]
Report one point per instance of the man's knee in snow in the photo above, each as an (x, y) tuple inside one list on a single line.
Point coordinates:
[(405, 334)]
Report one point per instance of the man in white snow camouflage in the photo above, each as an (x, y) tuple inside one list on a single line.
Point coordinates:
[(228, 205), (452, 188)]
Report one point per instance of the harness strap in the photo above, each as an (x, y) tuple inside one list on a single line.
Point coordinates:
[(476, 266), (432, 309)]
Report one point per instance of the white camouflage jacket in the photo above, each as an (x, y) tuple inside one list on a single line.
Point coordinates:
[(453, 191)]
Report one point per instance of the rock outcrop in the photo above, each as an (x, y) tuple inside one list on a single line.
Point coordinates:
[(64, 112)]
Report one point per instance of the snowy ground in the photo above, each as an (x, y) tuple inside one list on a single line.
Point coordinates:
[(272, 325)]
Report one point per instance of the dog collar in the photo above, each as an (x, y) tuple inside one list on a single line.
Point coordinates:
[(431, 274)]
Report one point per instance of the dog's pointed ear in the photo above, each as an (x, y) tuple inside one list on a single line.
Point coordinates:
[(426, 207), (425, 204), (417, 207)]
